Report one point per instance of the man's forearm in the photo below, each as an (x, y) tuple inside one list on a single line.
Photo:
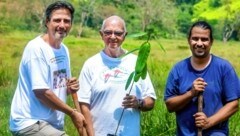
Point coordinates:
[(48, 98), (148, 104), (223, 114), (86, 113), (178, 102)]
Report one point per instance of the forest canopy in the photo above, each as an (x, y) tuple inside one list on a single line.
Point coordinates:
[(164, 18)]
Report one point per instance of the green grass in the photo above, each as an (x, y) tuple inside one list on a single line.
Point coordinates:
[(157, 122)]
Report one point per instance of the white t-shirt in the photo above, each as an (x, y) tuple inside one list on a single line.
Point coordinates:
[(102, 85), (41, 67)]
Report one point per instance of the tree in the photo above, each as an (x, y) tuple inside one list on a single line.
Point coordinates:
[(231, 21), (84, 8), (224, 13), (185, 13), (156, 15)]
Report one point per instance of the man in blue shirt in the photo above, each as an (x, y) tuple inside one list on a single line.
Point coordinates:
[(207, 73)]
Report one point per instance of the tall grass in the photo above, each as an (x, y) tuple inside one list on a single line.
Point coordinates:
[(157, 122)]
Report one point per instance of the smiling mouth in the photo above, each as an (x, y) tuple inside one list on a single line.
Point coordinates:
[(61, 32), (200, 50), (113, 42)]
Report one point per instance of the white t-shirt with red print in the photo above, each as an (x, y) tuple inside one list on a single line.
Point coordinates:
[(102, 85)]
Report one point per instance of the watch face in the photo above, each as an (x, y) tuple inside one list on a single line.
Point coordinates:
[(140, 103)]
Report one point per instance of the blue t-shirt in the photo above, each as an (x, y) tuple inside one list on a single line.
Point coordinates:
[(222, 87)]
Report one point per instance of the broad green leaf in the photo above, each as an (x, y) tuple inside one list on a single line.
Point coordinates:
[(142, 57), (144, 72), (137, 76), (136, 35), (129, 80)]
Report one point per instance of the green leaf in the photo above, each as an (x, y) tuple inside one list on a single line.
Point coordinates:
[(137, 76), (142, 57), (136, 35), (129, 52), (144, 72), (129, 80), (159, 43)]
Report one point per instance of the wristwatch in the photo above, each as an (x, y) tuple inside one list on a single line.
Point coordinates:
[(140, 103)]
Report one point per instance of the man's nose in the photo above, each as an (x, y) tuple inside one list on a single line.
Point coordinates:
[(112, 35), (62, 23), (199, 42)]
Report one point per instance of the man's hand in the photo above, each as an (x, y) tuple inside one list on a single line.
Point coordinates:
[(78, 121), (72, 85), (130, 101), (198, 86), (201, 120)]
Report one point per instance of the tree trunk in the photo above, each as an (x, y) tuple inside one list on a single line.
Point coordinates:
[(227, 32)]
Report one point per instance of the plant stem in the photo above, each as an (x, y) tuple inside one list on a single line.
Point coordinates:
[(123, 111)]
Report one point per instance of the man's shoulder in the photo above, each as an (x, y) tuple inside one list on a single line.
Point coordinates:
[(34, 43), (183, 62), (36, 39), (220, 61), (93, 58)]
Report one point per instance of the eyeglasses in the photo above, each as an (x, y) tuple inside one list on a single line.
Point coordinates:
[(116, 33)]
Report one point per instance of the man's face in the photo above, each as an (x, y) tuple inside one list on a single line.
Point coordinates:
[(59, 24), (200, 42), (113, 34)]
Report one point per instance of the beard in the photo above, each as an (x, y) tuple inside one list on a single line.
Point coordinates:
[(200, 52), (60, 35)]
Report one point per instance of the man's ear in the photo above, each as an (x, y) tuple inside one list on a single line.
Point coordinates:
[(126, 33), (212, 42), (100, 32), (188, 41), (46, 22)]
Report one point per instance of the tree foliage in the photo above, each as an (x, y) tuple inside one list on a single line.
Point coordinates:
[(165, 18), (224, 13)]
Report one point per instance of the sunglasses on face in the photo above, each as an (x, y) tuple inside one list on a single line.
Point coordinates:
[(116, 33)]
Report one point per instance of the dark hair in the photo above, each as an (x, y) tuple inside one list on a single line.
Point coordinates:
[(58, 5), (204, 25)]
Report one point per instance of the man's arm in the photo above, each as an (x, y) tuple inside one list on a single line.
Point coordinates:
[(176, 103), (223, 114), (148, 104), (48, 98), (131, 101), (86, 113)]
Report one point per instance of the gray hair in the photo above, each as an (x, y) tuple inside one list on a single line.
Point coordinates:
[(114, 17)]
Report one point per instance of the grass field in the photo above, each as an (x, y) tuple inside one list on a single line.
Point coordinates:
[(157, 122)]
